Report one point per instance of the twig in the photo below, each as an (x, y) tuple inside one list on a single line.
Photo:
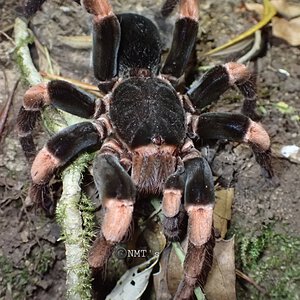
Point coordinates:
[(4, 112), (7, 28), (250, 280), (8, 37), (78, 282)]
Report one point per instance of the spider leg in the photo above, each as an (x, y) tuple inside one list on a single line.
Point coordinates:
[(62, 95), (172, 208), (184, 38), (30, 7), (218, 79), (198, 202), (192, 182), (236, 127), (168, 7), (59, 150), (117, 193), (106, 39)]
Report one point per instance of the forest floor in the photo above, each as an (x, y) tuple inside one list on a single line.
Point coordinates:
[(265, 217)]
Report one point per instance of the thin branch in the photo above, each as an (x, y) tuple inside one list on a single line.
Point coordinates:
[(4, 112), (69, 215)]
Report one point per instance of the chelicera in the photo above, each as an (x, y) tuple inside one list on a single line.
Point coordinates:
[(144, 130)]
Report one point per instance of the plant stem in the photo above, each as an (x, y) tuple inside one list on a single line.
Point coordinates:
[(68, 213)]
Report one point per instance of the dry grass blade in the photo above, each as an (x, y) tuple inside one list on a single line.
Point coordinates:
[(77, 41), (269, 13), (86, 86)]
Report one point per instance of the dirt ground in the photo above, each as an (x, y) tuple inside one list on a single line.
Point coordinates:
[(32, 258)]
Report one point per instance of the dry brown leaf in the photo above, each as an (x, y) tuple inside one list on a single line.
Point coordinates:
[(258, 8), (155, 238), (287, 30), (288, 10), (160, 278), (222, 210), (175, 268), (221, 279)]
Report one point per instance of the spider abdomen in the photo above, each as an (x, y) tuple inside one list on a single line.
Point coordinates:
[(147, 111)]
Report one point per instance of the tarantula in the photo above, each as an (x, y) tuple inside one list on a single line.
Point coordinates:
[(144, 129)]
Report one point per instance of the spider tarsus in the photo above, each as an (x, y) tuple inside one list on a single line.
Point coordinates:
[(40, 194), (197, 264), (100, 252), (25, 123), (168, 7)]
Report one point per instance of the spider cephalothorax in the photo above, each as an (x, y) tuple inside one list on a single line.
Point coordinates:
[(144, 130)]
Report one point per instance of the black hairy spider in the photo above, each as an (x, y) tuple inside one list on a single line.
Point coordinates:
[(144, 130)]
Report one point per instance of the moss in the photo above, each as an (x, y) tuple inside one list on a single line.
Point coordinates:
[(272, 260), (21, 280)]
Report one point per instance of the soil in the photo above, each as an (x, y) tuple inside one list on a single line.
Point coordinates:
[(31, 257)]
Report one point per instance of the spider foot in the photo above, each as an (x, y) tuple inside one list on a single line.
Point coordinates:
[(100, 252), (40, 194), (197, 264)]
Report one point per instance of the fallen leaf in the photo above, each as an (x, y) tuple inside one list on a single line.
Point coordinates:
[(222, 210), (288, 10), (287, 30), (269, 12), (134, 282), (221, 279), (258, 8), (160, 278), (175, 268), (155, 238)]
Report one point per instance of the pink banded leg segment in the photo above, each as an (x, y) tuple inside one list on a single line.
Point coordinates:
[(99, 8), (257, 135), (171, 202), (237, 72), (36, 97), (117, 219), (200, 223), (43, 167), (115, 225), (189, 9)]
